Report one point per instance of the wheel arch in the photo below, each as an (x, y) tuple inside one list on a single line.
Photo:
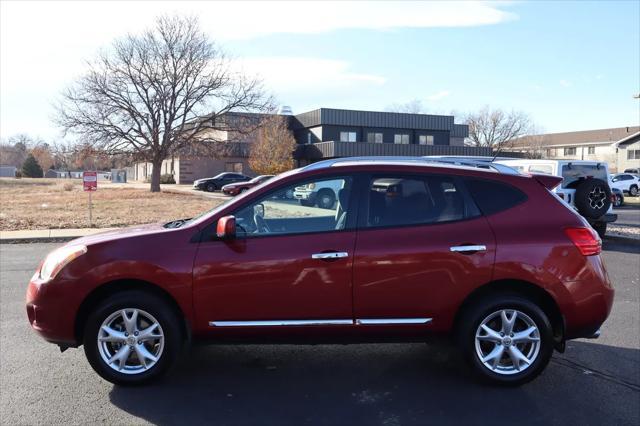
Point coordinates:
[(530, 291), (112, 287)]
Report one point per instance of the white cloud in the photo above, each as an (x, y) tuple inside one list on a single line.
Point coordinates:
[(439, 95), (565, 83)]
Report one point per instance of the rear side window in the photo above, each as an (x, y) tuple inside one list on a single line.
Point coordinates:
[(572, 173), (492, 196), (413, 200)]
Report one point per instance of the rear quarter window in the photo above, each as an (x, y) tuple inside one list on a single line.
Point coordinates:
[(493, 196)]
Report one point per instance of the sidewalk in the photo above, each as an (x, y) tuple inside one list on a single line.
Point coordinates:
[(47, 235)]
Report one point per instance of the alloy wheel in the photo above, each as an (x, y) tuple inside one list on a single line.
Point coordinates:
[(507, 342), (130, 341)]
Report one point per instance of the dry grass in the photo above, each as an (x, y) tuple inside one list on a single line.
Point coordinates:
[(53, 204)]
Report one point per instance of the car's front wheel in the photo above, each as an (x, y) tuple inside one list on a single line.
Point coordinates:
[(211, 187), (132, 338), (507, 339)]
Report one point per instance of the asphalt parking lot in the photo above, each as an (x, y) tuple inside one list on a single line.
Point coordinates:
[(594, 382)]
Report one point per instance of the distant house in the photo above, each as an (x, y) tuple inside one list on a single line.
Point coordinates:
[(8, 171), (619, 147)]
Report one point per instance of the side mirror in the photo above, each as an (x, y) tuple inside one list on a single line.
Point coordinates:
[(226, 228)]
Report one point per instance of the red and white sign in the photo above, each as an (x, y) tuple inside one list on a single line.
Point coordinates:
[(90, 181)]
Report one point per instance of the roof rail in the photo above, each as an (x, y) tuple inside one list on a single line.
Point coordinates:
[(478, 162)]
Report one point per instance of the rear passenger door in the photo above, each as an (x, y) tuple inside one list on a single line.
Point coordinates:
[(422, 246)]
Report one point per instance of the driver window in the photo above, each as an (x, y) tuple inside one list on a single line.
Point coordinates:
[(319, 205)]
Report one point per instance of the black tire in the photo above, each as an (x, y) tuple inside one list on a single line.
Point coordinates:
[(149, 303), (619, 201), (211, 187), (633, 190), (484, 308), (326, 198), (593, 198), (600, 228)]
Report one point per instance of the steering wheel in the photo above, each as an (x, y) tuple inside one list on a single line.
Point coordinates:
[(261, 224)]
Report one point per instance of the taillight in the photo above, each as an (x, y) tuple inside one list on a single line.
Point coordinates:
[(585, 239)]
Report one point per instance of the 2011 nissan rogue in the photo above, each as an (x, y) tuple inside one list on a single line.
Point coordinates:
[(408, 249)]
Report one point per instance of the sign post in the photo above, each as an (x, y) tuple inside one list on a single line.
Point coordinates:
[(90, 184)]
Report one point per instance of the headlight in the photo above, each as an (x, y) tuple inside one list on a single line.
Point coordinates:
[(58, 259)]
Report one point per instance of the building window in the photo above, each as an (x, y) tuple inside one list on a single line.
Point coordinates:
[(402, 139), (233, 167), (347, 136), (592, 150), (374, 137), (570, 151), (425, 140), (633, 154)]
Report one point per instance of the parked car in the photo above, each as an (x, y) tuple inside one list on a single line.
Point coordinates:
[(585, 186), (626, 182), (409, 250), (322, 194), (218, 181), (634, 171), (617, 197), (237, 188)]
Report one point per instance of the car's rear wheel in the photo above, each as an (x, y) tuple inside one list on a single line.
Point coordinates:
[(633, 191), (507, 339), (592, 198), (600, 228), (132, 338)]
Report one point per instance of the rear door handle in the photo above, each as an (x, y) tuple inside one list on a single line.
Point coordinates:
[(330, 255), (468, 248)]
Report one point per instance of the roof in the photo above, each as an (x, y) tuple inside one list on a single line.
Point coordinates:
[(629, 139), (381, 119), (575, 138)]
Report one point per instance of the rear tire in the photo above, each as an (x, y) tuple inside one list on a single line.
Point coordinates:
[(152, 333), (593, 198), (326, 199), (633, 190), (484, 331)]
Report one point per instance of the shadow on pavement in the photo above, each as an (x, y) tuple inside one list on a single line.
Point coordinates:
[(632, 247), (393, 384)]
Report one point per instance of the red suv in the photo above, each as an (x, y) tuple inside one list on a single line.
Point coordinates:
[(409, 249)]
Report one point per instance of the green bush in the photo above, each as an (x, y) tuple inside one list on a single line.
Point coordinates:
[(31, 168)]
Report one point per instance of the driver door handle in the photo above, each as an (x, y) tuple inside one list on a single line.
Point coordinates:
[(330, 255), (468, 248)]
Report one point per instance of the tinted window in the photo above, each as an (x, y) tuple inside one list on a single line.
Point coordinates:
[(492, 196), (319, 205), (574, 172), (397, 200)]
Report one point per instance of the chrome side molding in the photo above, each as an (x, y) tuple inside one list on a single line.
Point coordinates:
[(279, 323), (360, 321), (392, 321)]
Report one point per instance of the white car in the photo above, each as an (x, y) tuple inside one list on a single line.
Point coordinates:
[(323, 194), (626, 182), (585, 186)]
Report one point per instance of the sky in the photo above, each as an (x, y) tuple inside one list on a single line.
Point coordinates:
[(570, 65)]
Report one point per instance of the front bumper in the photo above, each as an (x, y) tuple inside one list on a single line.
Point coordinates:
[(303, 195), (50, 313)]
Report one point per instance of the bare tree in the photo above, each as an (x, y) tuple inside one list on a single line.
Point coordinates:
[(148, 94), (496, 128), (412, 107), (272, 152)]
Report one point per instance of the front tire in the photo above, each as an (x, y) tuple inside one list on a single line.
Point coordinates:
[(506, 339), (211, 187), (132, 338)]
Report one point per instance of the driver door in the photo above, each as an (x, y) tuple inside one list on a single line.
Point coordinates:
[(288, 265)]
